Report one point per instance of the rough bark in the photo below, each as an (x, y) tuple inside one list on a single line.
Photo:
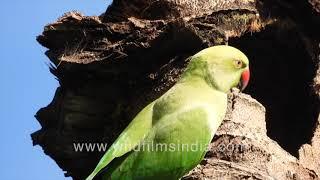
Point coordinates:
[(241, 149), (111, 66)]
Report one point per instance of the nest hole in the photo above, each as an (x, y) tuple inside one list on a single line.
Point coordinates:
[(282, 74)]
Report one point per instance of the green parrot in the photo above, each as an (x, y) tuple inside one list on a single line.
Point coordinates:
[(170, 136)]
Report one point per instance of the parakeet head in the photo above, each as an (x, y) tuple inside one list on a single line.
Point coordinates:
[(223, 67)]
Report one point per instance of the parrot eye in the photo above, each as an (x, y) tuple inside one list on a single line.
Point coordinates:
[(238, 64)]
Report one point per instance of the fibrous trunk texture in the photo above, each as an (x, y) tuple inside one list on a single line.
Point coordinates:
[(111, 66)]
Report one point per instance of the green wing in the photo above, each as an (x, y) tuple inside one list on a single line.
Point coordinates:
[(128, 139), (164, 158)]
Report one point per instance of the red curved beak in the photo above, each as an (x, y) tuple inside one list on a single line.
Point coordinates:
[(245, 77)]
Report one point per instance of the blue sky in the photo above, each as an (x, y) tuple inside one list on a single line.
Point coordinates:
[(26, 84)]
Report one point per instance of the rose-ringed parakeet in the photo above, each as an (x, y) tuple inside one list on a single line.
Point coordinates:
[(169, 136)]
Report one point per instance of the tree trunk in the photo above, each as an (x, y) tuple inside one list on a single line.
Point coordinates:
[(111, 66)]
